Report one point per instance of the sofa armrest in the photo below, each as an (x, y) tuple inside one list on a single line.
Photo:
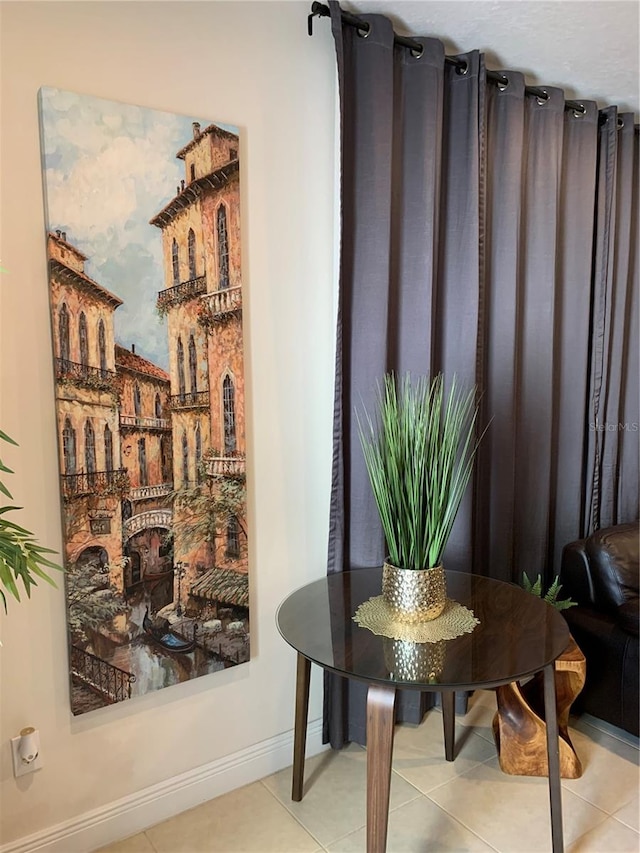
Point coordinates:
[(629, 616), (575, 574)]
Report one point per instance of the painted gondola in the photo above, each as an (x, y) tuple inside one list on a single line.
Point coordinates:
[(169, 641)]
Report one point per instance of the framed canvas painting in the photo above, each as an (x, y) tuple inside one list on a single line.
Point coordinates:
[(143, 243)]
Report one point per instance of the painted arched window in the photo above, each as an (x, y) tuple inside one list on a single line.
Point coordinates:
[(108, 448), (158, 406), (63, 334), (137, 400), (191, 245), (223, 248), (165, 459), (229, 415), (69, 447), (233, 538), (185, 460), (181, 383), (83, 335), (142, 461), (89, 450), (198, 448), (102, 347), (175, 261), (193, 366)]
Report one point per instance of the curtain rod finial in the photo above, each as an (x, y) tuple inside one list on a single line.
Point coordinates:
[(318, 9)]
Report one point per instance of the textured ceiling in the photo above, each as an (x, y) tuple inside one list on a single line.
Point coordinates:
[(590, 49)]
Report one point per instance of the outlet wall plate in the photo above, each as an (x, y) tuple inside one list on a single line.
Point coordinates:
[(19, 766)]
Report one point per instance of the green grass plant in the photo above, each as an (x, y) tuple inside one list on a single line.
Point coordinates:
[(419, 448)]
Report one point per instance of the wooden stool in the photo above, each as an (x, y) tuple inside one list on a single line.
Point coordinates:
[(519, 728)]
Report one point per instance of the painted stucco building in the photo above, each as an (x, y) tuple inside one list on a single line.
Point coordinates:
[(202, 300), (114, 431), (93, 481), (146, 445)]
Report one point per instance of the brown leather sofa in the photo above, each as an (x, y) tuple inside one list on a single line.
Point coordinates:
[(601, 574)]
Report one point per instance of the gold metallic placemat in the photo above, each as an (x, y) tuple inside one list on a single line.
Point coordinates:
[(455, 620)]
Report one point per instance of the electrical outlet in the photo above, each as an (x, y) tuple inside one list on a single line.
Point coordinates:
[(22, 766)]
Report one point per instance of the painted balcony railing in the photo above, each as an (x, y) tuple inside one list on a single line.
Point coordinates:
[(95, 483), (226, 466), (225, 301), (179, 292), (83, 374), (145, 520), (190, 400), (108, 681), (138, 422), (142, 493)]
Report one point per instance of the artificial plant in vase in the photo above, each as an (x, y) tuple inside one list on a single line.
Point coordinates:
[(419, 448)]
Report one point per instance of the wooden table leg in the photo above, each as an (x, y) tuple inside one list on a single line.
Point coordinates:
[(553, 755), (380, 723), (448, 699), (303, 676)]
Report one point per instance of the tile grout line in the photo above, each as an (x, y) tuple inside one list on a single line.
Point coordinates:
[(584, 799), (153, 846), (290, 812), (462, 824), (447, 781), (577, 840), (632, 828)]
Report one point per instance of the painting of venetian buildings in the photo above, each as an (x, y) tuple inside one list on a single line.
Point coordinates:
[(143, 243)]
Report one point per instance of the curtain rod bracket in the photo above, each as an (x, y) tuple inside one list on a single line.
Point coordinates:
[(318, 9)]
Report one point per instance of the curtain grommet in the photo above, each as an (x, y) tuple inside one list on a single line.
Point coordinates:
[(463, 68), (417, 53), (580, 113), (364, 32), (542, 97), (503, 84), (620, 123)]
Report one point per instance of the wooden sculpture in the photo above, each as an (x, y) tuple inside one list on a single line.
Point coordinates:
[(519, 728)]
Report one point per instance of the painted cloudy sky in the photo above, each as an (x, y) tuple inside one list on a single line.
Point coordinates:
[(109, 168)]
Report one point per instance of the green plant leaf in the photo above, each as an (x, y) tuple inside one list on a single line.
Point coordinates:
[(419, 448), (551, 595)]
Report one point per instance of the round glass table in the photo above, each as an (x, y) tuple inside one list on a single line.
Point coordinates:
[(517, 636)]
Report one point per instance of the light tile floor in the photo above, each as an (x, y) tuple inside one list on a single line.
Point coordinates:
[(435, 805)]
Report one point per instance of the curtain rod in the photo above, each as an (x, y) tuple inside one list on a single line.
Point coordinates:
[(363, 27)]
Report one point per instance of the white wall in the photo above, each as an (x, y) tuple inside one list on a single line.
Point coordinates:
[(250, 64)]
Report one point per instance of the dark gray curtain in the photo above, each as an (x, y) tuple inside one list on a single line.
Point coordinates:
[(470, 246)]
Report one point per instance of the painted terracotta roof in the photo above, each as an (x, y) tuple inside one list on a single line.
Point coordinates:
[(212, 128), (83, 282), (62, 241), (223, 585), (127, 360), (193, 191)]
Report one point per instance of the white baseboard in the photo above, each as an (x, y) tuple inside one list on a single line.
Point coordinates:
[(145, 808)]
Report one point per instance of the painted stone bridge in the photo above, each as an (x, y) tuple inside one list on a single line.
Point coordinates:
[(144, 520)]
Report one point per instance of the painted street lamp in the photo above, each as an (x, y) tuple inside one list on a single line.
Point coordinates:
[(180, 571)]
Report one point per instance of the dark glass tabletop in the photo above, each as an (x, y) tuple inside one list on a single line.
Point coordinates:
[(518, 634)]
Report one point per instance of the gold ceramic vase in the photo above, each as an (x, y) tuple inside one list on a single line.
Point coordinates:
[(414, 595)]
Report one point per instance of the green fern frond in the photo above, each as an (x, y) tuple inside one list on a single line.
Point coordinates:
[(551, 595)]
